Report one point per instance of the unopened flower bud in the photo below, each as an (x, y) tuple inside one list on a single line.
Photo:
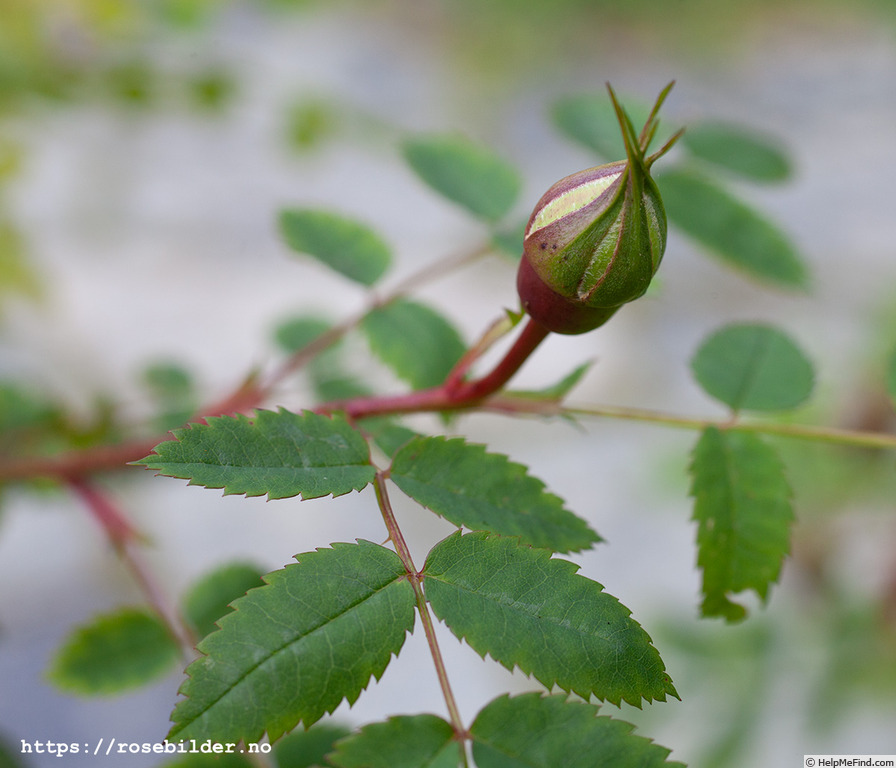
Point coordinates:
[(596, 238)]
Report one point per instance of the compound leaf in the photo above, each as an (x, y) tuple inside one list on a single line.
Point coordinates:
[(465, 173), (537, 731), (738, 150), (486, 491), (753, 367), (292, 650), (115, 652), (742, 506), (280, 454), (210, 597), (422, 741), (416, 342), (345, 245), (528, 610), (730, 229)]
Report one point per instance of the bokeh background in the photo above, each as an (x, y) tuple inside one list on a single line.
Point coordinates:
[(145, 149)]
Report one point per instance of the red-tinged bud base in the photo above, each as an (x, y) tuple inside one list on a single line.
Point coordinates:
[(553, 311)]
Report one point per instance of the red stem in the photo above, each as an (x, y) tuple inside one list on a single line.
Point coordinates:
[(123, 537), (451, 395)]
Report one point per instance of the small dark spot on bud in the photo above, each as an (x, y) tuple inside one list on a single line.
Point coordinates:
[(544, 246), (553, 247)]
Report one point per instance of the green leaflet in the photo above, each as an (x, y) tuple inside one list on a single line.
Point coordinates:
[(325, 368), (172, 388), (753, 367), (465, 173), (730, 229), (486, 491), (308, 749), (738, 150), (537, 731), (293, 649), (345, 245), (296, 333), (742, 505), (280, 454), (528, 610), (416, 342), (210, 597), (115, 652), (422, 741), (590, 120)]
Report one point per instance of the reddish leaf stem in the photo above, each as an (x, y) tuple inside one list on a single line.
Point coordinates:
[(124, 539)]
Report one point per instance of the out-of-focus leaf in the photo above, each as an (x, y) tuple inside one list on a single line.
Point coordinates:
[(345, 245), (730, 229), (891, 376), (470, 175), (210, 597), (114, 653), (17, 277), (738, 150), (590, 120), (753, 367), (742, 505), (415, 341)]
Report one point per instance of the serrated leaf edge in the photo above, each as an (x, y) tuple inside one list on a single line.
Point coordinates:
[(177, 726)]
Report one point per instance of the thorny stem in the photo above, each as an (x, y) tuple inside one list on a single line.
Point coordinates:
[(416, 581), (124, 537)]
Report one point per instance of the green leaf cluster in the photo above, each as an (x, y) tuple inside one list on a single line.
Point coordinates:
[(317, 631)]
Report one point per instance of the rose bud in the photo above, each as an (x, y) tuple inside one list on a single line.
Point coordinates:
[(596, 238)]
